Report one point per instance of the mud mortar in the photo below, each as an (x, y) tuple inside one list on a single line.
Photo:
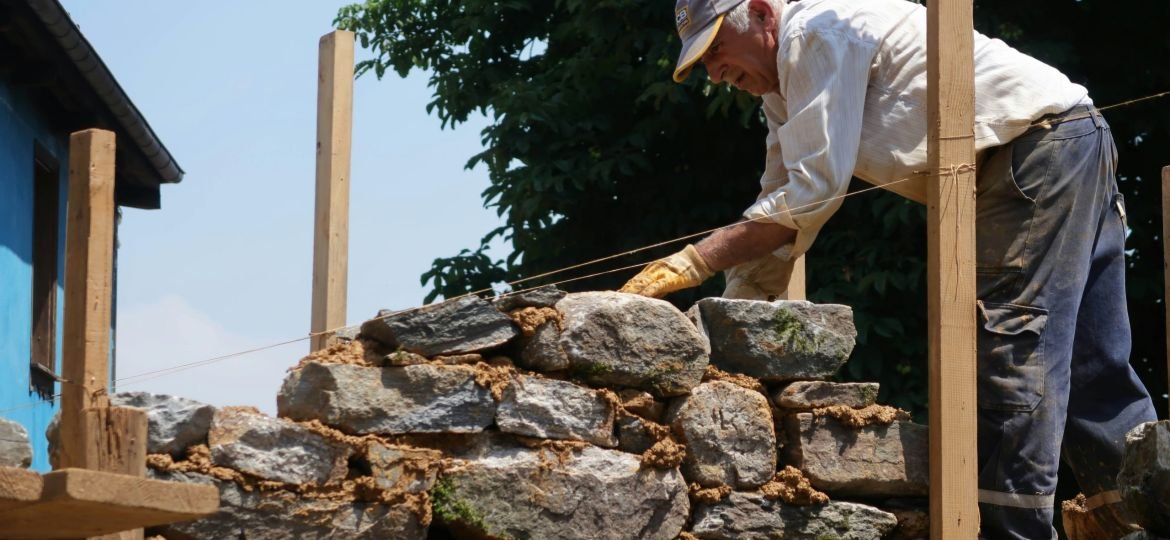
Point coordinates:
[(790, 486), (529, 319), (709, 495), (354, 352), (665, 454), (880, 415), (715, 374)]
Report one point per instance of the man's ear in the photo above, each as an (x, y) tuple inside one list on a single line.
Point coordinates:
[(761, 10)]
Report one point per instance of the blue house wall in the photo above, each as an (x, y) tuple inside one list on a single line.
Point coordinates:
[(22, 127)]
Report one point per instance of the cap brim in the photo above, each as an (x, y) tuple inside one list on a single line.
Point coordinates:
[(694, 48)]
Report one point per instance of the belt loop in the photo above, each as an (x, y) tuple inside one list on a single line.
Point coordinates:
[(1095, 115)]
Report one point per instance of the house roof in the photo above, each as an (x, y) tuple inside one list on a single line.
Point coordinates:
[(41, 47)]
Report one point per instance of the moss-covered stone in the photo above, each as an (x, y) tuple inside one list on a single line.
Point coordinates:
[(776, 341), (790, 330), (453, 512)]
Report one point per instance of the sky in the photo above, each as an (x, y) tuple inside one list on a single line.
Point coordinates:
[(226, 265)]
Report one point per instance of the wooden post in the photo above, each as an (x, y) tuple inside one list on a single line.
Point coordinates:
[(92, 434), (331, 239), (954, 512), (796, 283), (89, 261), (1166, 260)]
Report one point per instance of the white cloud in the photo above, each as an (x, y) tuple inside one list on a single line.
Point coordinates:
[(170, 332)]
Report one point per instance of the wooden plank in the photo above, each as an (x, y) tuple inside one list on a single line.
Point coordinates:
[(796, 283), (331, 238), (1166, 260), (89, 258), (78, 503), (954, 509), (18, 487)]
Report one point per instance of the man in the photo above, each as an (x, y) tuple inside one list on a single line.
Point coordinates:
[(844, 93)]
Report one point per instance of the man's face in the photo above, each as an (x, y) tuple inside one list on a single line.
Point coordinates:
[(746, 61)]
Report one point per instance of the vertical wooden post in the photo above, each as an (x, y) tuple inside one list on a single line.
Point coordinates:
[(331, 239), (1166, 260), (92, 434), (89, 259), (797, 283), (954, 510)]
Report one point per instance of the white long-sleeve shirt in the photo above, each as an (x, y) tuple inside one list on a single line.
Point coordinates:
[(852, 101)]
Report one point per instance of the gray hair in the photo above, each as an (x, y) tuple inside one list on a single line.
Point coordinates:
[(738, 17)]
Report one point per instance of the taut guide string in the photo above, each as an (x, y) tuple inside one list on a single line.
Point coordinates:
[(951, 171)]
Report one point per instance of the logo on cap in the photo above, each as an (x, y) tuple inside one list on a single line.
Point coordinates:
[(682, 19)]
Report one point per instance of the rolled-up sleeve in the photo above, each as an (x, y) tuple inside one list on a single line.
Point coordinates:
[(813, 143)]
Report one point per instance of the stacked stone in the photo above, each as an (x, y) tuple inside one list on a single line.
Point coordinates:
[(588, 415), (15, 448), (278, 478)]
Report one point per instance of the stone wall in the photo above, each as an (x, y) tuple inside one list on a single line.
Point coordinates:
[(546, 415), (590, 415)]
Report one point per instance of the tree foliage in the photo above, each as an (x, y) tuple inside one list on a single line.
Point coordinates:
[(593, 151)]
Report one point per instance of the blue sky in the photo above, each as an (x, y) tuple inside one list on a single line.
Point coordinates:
[(226, 265)]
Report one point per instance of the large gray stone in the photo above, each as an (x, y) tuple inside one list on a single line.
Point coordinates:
[(1144, 480), (15, 448), (413, 399), (174, 423), (744, 516), (280, 515), (463, 325), (589, 492), (618, 339), (804, 395), (777, 341), (552, 409), (872, 461), (546, 296), (274, 449), (728, 433), (542, 351)]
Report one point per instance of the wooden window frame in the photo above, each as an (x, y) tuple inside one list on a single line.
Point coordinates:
[(45, 282)]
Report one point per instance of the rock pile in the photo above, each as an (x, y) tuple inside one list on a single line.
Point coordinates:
[(546, 415), (15, 448)]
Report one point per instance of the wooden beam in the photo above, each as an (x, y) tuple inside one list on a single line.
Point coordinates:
[(1166, 260), (18, 487), (954, 511), (89, 258), (77, 503), (334, 127)]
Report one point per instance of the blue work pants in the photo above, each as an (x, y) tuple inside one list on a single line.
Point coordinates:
[(1054, 337)]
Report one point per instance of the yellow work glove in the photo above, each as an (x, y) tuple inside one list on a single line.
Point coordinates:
[(679, 271)]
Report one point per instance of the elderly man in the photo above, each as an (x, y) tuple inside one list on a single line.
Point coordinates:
[(843, 84)]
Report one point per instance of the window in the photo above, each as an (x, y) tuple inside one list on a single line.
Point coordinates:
[(46, 194)]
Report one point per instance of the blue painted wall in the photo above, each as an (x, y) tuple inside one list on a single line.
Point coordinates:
[(22, 125)]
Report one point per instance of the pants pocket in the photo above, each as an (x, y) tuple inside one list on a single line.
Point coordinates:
[(1011, 357)]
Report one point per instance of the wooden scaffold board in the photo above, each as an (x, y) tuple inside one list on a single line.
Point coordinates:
[(79, 503)]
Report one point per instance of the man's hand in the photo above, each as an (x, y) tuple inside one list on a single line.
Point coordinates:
[(679, 271)]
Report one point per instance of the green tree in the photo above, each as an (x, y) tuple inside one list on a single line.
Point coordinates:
[(592, 151)]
